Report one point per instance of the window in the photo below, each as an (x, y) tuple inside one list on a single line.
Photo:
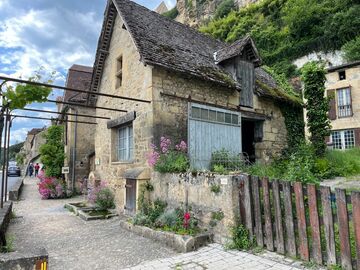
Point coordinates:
[(344, 102), (213, 115), (119, 66), (344, 139), (125, 143), (342, 75)]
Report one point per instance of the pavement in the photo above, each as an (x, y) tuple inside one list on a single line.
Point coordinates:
[(101, 244)]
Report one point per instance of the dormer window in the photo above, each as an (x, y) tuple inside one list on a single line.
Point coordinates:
[(342, 75), (119, 71)]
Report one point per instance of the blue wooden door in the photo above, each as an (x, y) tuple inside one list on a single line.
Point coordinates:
[(211, 129)]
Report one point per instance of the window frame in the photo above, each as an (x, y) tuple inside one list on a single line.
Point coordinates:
[(119, 72), (344, 102), (342, 139), (128, 143)]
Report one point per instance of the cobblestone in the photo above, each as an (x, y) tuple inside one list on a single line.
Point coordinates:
[(102, 244)]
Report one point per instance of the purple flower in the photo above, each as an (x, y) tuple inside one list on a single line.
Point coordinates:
[(182, 146)]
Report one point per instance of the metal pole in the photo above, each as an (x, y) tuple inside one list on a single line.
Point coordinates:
[(74, 154), (4, 157), (7, 159)]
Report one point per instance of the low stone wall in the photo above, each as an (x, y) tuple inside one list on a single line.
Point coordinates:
[(197, 192), (25, 261), (5, 216), (15, 191)]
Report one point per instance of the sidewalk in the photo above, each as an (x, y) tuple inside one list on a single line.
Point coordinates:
[(75, 244)]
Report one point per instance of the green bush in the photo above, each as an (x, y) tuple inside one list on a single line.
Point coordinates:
[(172, 162), (169, 219), (241, 238), (105, 199), (171, 14), (224, 9), (344, 163)]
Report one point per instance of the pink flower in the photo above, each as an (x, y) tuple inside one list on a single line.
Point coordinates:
[(152, 158), (182, 146), (187, 217), (165, 144)]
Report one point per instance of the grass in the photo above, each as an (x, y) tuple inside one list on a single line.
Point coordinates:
[(344, 163), (9, 244)]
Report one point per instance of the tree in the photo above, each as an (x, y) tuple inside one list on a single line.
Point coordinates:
[(317, 105), (352, 50), (52, 152)]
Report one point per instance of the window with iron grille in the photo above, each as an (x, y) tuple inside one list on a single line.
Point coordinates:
[(344, 102), (125, 143), (343, 139)]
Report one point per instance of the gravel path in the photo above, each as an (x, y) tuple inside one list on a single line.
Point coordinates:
[(73, 243)]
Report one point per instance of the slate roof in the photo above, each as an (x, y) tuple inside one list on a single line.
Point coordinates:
[(241, 46), (79, 77), (169, 44)]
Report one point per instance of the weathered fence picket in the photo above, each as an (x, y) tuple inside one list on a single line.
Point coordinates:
[(269, 239), (355, 200), (289, 218), (279, 231), (314, 224)]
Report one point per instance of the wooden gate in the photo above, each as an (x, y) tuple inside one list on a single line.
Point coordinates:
[(212, 129)]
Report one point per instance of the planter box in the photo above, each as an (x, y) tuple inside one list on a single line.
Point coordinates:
[(86, 214), (181, 243), (76, 207)]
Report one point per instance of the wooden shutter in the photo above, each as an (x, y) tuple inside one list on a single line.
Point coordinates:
[(332, 103), (357, 137)]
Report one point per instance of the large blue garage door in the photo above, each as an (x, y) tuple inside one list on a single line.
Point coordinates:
[(212, 129)]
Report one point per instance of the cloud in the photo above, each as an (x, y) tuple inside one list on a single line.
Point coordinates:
[(18, 135)]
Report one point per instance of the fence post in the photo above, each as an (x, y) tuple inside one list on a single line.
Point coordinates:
[(314, 224), (355, 200), (343, 222), (278, 218), (269, 239)]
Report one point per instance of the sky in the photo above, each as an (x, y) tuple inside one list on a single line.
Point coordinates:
[(52, 36)]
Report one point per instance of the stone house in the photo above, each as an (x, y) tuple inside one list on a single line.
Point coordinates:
[(200, 90), (30, 150), (343, 84), (78, 137)]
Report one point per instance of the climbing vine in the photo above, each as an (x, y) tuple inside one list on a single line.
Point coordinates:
[(317, 105)]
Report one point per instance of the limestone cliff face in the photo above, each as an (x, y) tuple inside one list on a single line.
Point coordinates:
[(197, 12)]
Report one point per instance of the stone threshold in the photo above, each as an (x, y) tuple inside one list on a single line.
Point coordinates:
[(181, 243)]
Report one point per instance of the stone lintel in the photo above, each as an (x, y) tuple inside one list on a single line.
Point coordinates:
[(127, 118), (139, 173)]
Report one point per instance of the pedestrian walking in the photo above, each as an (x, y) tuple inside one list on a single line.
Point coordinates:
[(37, 168), (31, 169)]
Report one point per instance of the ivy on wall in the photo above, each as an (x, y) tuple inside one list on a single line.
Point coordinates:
[(317, 105)]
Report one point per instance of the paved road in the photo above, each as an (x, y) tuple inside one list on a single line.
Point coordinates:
[(11, 182)]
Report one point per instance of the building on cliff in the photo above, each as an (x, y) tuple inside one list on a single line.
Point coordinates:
[(213, 94), (30, 150), (78, 137)]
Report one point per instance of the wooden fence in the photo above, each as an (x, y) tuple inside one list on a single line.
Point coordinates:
[(303, 221)]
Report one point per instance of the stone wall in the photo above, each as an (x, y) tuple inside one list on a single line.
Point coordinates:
[(352, 80), (136, 83), (85, 144), (196, 192)]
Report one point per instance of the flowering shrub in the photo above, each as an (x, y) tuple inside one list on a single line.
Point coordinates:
[(167, 158), (102, 197), (50, 187)]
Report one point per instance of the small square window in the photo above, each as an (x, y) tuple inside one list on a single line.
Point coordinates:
[(119, 68), (342, 75)]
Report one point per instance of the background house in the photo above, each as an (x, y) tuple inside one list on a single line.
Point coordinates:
[(212, 94), (343, 84), (78, 137), (30, 150)]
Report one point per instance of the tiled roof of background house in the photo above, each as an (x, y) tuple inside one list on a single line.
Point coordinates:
[(79, 77), (166, 43)]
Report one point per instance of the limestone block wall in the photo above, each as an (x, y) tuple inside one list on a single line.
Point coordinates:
[(352, 80), (172, 113), (274, 129), (179, 191), (136, 83)]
